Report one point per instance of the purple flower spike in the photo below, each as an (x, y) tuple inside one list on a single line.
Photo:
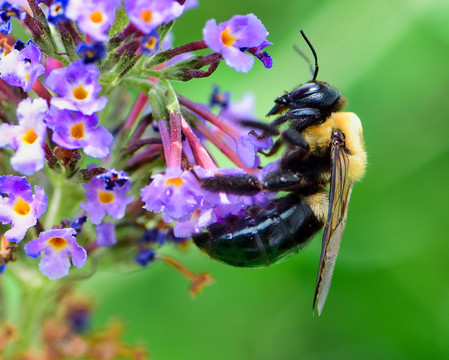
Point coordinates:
[(55, 246), (19, 207), (94, 17), (74, 130), (27, 137), (229, 37), (176, 194), (146, 15), (22, 66), (106, 234), (78, 86), (106, 194)]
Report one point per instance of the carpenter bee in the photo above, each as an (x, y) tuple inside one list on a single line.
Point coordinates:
[(324, 155)]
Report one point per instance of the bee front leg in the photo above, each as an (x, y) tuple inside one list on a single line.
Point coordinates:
[(250, 185)]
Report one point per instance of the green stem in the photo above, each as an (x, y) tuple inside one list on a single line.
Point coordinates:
[(54, 206)]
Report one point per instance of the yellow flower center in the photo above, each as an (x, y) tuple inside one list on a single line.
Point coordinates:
[(151, 43), (174, 182), (227, 38), (58, 243), (21, 207), (146, 15), (30, 136), (105, 197), (77, 131), (79, 93), (96, 17)]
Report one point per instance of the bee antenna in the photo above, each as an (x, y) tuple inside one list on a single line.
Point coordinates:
[(314, 71), (300, 52)]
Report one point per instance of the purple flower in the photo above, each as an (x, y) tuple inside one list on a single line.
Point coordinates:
[(263, 56), (218, 98), (198, 221), (247, 144), (19, 207), (150, 43), (91, 52), (94, 17), (78, 224), (106, 194), (22, 66), (146, 15), (27, 137), (106, 234), (8, 10), (229, 37), (78, 86), (145, 256), (176, 194), (56, 11), (55, 246), (74, 130)]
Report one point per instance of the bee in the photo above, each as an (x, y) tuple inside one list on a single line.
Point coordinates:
[(324, 156)]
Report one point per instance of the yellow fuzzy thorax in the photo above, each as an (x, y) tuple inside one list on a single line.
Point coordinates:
[(319, 136)]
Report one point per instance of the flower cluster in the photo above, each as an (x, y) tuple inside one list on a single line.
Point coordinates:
[(101, 159), (91, 173)]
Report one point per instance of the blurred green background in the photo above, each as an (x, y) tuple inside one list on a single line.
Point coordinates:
[(390, 294)]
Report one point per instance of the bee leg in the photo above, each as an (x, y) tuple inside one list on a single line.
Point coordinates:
[(233, 184), (304, 114), (281, 180), (301, 119), (250, 184)]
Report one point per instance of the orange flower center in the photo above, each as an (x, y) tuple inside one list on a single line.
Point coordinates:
[(227, 38), (146, 15), (151, 43), (58, 243), (30, 136), (80, 93), (105, 197), (21, 207), (174, 182), (77, 131), (96, 17)]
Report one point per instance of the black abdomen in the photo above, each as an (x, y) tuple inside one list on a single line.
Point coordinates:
[(281, 229)]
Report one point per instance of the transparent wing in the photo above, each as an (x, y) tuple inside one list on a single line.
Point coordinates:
[(339, 193)]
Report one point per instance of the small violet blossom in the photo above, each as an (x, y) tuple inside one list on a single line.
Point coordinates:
[(78, 86), (22, 66), (176, 194), (106, 194), (94, 17), (56, 12), (145, 256), (55, 246), (8, 10), (106, 234), (146, 15), (230, 37), (263, 56), (19, 207), (28, 137), (91, 52), (73, 130), (150, 43)]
